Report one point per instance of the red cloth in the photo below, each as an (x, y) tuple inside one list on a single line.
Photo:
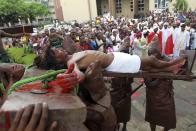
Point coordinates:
[(139, 34), (169, 45), (150, 37), (132, 40), (85, 47), (160, 39)]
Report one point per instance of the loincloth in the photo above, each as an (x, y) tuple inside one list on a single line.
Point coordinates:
[(124, 63)]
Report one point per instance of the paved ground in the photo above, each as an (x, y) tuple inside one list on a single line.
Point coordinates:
[(185, 98)]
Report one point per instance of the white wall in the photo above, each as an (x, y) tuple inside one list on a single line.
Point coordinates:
[(192, 4), (151, 5), (78, 10)]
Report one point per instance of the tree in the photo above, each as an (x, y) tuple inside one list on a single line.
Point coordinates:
[(10, 11), (181, 5), (13, 10), (34, 10)]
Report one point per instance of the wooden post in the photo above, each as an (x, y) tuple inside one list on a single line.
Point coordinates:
[(23, 29)]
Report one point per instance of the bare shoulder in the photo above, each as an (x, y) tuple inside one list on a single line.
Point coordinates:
[(76, 57)]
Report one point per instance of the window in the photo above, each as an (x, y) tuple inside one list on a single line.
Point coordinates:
[(167, 5), (141, 5), (118, 6), (161, 4), (131, 5), (156, 6)]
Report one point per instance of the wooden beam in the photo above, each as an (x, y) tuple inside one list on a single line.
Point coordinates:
[(142, 74)]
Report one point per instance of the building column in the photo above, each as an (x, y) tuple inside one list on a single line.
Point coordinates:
[(135, 8), (89, 10), (111, 7), (151, 5), (58, 10), (146, 6)]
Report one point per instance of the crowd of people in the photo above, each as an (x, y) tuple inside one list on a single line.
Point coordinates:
[(156, 39), (175, 32)]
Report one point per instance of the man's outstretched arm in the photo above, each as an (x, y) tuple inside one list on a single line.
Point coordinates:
[(4, 34)]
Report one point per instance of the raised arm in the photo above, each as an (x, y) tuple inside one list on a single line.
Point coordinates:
[(4, 34)]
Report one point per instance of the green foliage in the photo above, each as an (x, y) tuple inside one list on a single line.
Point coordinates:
[(32, 10), (2, 88), (181, 5), (9, 11), (18, 55), (13, 10)]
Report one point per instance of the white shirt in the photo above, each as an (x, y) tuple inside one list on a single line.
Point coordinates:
[(182, 41), (174, 34)]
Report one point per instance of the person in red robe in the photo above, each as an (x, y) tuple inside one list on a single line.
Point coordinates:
[(167, 40), (157, 32), (152, 34)]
